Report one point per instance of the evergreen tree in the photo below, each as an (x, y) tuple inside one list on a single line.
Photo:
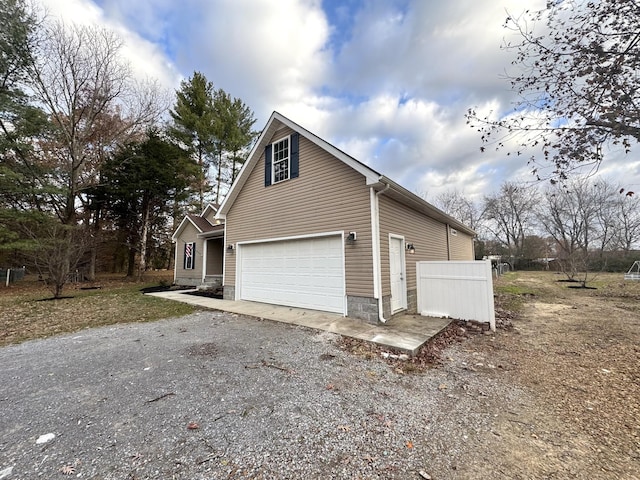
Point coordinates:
[(233, 130), (193, 126), (216, 128), (139, 185)]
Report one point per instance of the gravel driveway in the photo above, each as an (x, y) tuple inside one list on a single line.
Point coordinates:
[(216, 395)]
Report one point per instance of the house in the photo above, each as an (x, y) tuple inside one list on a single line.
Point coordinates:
[(308, 226), (199, 250)]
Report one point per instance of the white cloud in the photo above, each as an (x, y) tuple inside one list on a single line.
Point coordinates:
[(270, 54), (145, 58), (393, 95)]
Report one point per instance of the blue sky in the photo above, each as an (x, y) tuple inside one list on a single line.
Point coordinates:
[(387, 81)]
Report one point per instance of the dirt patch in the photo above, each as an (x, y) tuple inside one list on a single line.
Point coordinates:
[(577, 353)]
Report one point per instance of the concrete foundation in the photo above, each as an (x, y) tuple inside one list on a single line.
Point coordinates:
[(229, 293), (188, 281), (412, 301), (363, 308)]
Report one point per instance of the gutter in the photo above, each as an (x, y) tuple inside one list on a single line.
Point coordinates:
[(376, 248)]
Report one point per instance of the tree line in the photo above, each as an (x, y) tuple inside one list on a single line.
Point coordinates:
[(96, 164), (584, 224)]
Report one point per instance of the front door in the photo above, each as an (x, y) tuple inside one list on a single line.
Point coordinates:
[(398, 274)]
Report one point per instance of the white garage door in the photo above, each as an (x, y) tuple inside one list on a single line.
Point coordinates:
[(305, 273)]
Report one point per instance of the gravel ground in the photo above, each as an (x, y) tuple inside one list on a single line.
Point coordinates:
[(216, 395)]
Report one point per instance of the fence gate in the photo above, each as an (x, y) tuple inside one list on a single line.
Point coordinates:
[(461, 290)]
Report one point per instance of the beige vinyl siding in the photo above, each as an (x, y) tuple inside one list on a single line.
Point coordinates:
[(328, 196), (189, 234), (428, 236), (461, 246)]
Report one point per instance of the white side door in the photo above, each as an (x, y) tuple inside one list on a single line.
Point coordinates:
[(398, 274)]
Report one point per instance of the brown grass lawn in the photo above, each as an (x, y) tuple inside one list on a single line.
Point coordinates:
[(28, 312), (576, 352)]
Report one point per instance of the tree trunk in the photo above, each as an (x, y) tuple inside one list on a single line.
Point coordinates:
[(142, 265), (93, 257), (131, 267), (203, 177), (219, 178)]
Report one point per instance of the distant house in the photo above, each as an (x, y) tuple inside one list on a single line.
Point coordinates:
[(199, 249), (308, 226)]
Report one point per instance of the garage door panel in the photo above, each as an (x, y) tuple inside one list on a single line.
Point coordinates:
[(306, 273)]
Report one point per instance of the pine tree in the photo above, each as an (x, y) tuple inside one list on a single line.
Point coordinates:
[(193, 126)]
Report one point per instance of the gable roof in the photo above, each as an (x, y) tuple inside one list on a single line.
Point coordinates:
[(213, 207), (201, 224), (376, 180)]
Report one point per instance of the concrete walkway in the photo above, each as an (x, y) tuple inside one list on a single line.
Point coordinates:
[(406, 332)]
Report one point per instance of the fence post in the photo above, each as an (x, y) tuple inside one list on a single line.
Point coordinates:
[(8, 276)]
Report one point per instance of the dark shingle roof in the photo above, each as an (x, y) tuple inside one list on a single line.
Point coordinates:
[(202, 223)]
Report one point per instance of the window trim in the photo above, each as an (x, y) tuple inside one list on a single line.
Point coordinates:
[(273, 160)]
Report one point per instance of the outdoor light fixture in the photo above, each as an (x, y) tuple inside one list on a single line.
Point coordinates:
[(230, 248), (351, 237), (411, 248)]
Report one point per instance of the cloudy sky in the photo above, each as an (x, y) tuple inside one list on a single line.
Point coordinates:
[(387, 81)]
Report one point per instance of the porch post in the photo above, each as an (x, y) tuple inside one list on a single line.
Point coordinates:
[(204, 259)]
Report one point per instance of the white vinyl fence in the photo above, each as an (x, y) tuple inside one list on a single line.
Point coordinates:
[(461, 290)]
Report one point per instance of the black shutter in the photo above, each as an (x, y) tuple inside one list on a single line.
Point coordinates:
[(295, 155), (267, 165), (193, 255)]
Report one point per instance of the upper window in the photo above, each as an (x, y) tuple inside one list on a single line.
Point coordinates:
[(281, 160)]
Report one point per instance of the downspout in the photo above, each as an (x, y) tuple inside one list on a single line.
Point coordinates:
[(448, 227), (376, 253), (175, 262), (205, 245)]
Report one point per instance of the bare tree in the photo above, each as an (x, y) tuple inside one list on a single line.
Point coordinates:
[(578, 218), (54, 249), (575, 74), (93, 103), (461, 207), (511, 215), (626, 214), (79, 78)]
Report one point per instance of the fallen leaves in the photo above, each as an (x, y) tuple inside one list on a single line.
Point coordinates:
[(70, 468), (67, 469), (428, 356)]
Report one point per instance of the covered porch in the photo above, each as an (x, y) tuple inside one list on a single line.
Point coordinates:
[(213, 259)]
